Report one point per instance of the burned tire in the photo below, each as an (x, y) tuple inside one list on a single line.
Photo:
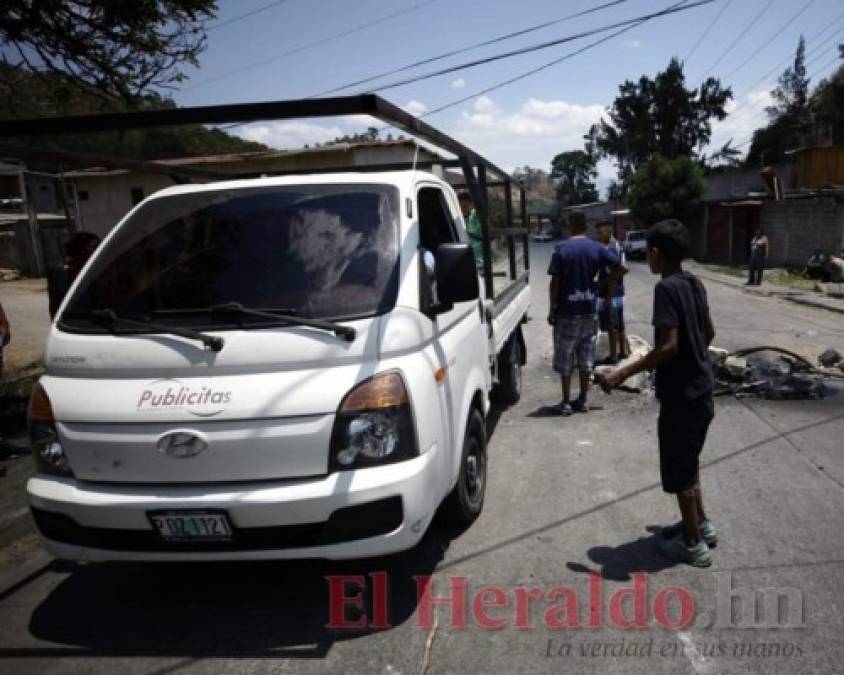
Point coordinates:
[(509, 388), (466, 501)]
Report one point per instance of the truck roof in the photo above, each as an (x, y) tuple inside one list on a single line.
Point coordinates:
[(401, 179)]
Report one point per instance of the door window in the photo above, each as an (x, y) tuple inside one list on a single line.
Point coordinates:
[(436, 227)]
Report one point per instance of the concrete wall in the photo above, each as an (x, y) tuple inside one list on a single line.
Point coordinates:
[(797, 227), (109, 197)]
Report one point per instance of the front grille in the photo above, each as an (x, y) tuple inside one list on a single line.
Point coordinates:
[(344, 525)]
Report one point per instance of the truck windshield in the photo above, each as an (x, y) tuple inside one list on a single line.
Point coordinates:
[(314, 251)]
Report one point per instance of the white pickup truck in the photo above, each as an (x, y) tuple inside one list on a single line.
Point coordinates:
[(268, 368)]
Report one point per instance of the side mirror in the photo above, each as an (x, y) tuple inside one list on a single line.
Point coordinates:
[(457, 276)]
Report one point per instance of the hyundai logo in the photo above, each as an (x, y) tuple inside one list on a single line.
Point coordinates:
[(181, 444)]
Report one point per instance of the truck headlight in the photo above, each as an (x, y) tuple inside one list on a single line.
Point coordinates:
[(374, 425), (47, 450)]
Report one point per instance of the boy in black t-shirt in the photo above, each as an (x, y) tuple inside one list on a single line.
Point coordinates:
[(684, 383)]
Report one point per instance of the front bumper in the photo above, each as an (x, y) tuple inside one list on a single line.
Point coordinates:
[(354, 514)]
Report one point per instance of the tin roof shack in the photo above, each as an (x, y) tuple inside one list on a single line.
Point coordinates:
[(804, 212), (102, 197), (819, 168)]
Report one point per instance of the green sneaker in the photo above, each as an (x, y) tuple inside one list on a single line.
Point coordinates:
[(676, 549), (707, 531)]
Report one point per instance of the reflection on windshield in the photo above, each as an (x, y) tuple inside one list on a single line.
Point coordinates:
[(316, 251)]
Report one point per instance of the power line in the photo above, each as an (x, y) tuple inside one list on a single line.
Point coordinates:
[(787, 24), (543, 45), (477, 45), (744, 32), (245, 16), (544, 66), (708, 28), (310, 45), (747, 111), (678, 6), (789, 59)]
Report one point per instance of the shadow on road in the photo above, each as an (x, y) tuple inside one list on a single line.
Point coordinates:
[(272, 609), (618, 563)]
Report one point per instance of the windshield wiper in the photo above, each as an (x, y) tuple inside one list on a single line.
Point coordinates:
[(346, 332), (108, 316)]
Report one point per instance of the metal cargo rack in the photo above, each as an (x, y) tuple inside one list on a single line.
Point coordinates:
[(479, 174)]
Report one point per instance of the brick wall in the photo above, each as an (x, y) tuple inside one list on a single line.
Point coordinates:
[(797, 227)]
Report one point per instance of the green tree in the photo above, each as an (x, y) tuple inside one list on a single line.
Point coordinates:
[(791, 95), (664, 188), (111, 48), (826, 108), (575, 172), (658, 115), (789, 118)]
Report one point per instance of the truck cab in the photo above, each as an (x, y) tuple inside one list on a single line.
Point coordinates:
[(281, 367)]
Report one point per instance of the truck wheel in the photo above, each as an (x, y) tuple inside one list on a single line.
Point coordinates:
[(509, 388), (465, 502)]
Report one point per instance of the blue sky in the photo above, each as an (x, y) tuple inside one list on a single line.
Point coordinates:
[(523, 123)]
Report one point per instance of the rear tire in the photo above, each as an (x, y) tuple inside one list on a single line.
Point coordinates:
[(509, 388), (466, 501)]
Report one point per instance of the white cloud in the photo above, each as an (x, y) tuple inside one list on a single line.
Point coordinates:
[(289, 134), (632, 44), (531, 134), (459, 83), (484, 104), (415, 107), (744, 116)]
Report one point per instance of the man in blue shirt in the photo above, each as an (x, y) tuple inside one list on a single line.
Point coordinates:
[(572, 296)]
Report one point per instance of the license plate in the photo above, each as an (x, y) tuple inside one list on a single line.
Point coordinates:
[(192, 525)]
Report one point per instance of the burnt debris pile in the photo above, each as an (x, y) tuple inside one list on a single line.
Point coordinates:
[(776, 374)]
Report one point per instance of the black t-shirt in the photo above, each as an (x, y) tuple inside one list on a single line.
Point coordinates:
[(680, 302)]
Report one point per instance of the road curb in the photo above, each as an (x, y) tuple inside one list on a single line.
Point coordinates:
[(813, 303), (797, 298)]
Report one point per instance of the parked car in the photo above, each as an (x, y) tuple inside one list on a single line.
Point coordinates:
[(544, 235), (635, 246)]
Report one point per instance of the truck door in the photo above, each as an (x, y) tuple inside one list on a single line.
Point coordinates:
[(459, 339)]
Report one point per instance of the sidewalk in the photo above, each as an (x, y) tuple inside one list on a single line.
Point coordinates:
[(807, 298)]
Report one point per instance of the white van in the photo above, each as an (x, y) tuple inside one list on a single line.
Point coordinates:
[(267, 368)]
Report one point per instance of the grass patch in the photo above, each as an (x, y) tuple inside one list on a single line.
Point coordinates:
[(777, 276)]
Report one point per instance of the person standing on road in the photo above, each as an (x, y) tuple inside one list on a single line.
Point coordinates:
[(611, 299), (684, 385), (473, 227), (572, 294), (758, 254)]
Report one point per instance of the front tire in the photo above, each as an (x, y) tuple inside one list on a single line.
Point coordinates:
[(466, 501)]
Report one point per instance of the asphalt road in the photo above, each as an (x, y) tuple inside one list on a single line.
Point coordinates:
[(565, 498)]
